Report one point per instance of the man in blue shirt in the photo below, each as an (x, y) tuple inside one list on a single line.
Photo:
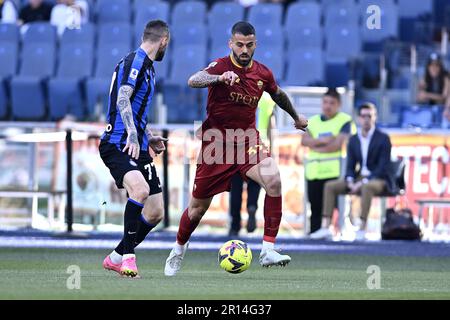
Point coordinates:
[(125, 145)]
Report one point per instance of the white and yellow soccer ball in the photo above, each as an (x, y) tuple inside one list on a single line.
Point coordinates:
[(235, 256)]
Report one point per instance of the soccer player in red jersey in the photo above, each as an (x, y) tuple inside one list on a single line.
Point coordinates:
[(231, 143)]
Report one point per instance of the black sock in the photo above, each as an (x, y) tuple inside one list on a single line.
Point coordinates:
[(133, 210), (143, 230)]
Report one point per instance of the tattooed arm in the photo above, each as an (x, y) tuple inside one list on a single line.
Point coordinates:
[(124, 106), (282, 100), (203, 79)]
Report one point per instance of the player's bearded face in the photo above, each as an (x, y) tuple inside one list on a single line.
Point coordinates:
[(162, 50), (243, 48)]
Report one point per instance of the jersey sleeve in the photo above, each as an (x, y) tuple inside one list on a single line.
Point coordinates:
[(131, 69), (271, 84), (217, 67)]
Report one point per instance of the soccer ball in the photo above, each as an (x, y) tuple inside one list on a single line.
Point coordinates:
[(235, 256)]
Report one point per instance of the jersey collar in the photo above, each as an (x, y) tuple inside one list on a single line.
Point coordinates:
[(148, 63), (236, 64)]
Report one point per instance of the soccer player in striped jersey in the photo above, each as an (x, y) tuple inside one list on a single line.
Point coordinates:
[(126, 143)]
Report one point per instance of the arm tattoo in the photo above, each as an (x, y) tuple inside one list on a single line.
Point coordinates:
[(203, 79), (124, 106), (148, 132), (282, 100)]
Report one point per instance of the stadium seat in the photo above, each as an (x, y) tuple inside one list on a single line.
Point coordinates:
[(65, 91), (97, 96), (113, 11), (339, 15), (37, 59), (337, 74), (8, 59), (304, 37), (107, 57), (42, 32), (305, 67), (373, 38), (347, 3), (118, 33), (219, 52), (189, 12), (270, 36), (85, 34), (75, 61), (186, 61), (9, 33), (224, 15), (414, 8), (343, 44), (30, 106), (145, 12), (220, 37), (162, 68), (184, 104), (416, 116), (272, 58), (3, 101), (265, 14), (193, 34), (307, 14)]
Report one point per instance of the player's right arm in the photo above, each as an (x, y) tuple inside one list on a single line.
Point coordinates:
[(215, 73), (124, 106), (203, 79)]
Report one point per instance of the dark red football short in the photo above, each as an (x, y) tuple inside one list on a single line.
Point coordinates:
[(219, 161)]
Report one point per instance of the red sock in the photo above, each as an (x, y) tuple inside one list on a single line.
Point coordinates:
[(272, 218), (187, 226)]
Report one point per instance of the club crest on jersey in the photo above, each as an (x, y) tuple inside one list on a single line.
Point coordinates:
[(260, 84), (134, 73)]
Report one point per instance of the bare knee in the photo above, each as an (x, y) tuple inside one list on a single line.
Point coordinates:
[(139, 192), (154, 216), (197, 210), (273, 186)]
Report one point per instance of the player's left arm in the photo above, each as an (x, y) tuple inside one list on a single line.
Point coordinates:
[(282, 100), (156, 143)]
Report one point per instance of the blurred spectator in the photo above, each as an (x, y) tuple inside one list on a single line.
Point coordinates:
[(8, 12), (368, 171), (35, 10), (69, 14), (265, 122), (325, 136), (434, 87)]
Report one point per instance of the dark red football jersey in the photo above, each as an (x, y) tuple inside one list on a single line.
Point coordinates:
[(234, 107)]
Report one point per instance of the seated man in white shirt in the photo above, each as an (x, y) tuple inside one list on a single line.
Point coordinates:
[(8, 12), (368, 171), (69, 14)]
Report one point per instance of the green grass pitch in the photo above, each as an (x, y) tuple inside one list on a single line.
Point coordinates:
[(42, 274)]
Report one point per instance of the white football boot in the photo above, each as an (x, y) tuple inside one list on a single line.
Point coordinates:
[(269, 257), (173, 262)]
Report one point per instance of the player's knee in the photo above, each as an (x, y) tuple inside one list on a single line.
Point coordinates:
[(273, 186), (196, 212), (155, 215), (140, 193)]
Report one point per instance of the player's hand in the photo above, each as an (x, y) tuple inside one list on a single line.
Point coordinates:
[(301, 123), (157, 144), (229, 78), (132, 146)]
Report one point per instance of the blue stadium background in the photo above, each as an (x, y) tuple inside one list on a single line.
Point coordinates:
[(44, 77)]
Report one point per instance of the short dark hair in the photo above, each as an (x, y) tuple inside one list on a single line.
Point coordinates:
[(243, 28), (367, 105), (332, 92), (155, 30)]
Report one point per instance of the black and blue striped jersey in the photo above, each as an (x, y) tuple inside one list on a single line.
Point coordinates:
[(135, 70)]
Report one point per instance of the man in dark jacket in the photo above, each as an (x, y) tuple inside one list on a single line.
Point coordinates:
[(368, 169)]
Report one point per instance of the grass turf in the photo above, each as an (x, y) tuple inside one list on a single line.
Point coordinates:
[(42, 274)]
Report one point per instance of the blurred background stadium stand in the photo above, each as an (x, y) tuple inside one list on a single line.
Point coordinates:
[(47, 76)]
